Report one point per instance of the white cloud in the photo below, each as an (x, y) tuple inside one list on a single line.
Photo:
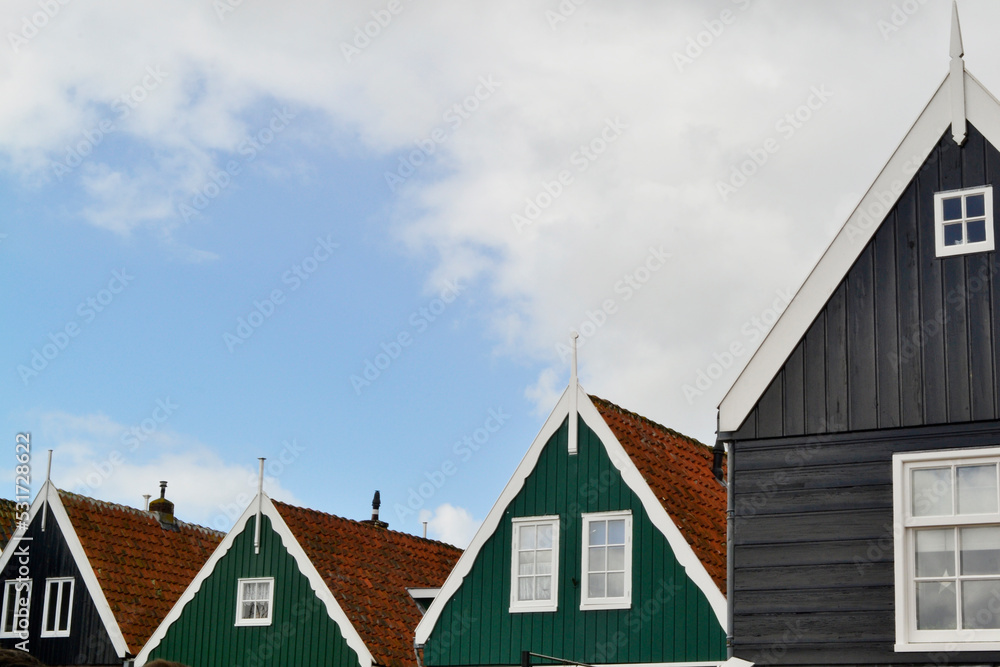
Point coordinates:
[(97, 457), (454, 525)]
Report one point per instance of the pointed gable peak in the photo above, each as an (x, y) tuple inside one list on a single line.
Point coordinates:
[(956, 85), (957, 50)]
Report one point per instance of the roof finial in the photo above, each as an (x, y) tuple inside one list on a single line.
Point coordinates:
[(574, 390), (957, 76)]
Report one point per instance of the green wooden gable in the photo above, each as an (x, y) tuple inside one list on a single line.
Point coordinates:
[(202, 632), (670, 619)]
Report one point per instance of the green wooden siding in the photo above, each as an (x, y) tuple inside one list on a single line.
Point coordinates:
[(670, 619), (301, 633)]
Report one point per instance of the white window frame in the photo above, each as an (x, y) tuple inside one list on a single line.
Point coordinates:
[(522, 606), (941, 250), (908, 637), (240, 621), (9, 588), (587, 602), (59, 583)]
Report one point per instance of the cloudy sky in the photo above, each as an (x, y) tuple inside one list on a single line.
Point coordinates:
[(355, 238)]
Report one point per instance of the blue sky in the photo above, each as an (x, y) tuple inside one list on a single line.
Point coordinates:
[(216, 222)]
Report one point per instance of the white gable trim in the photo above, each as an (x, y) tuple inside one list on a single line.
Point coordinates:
[(630, 475), (305, 565), (983, 111), (48, 493)]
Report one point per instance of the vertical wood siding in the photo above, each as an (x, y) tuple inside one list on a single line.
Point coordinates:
[(670, 619), (49, 556), (300, 635), (907, 339)]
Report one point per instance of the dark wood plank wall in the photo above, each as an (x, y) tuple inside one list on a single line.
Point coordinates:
[(906, 339)]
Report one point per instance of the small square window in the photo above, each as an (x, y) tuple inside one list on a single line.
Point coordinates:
[(57, 611), (607, 561), (16, 606), (534, 564), (963, 221), (254, 598)]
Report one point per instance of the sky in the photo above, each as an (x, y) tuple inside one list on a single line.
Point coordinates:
[(355, 238)]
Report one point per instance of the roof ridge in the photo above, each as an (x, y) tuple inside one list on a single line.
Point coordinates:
[(106, 504), (647, 420)]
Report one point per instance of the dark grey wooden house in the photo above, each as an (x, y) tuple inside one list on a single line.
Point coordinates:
[(864, 435)]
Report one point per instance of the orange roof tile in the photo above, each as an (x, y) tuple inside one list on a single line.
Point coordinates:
[(142, 568), (678, 469), (8, 521), (368, 569)]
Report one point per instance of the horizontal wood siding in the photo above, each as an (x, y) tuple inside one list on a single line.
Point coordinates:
[(49, 556), (670, 618), (907, 339), (301, 634), (813, 544)]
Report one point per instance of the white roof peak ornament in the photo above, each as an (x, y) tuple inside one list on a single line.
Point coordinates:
[(956, 86), (574, 390)]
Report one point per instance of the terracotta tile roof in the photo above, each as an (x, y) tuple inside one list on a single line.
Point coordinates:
[(142, 568), (368, 570), (8, 521), (679, 471)]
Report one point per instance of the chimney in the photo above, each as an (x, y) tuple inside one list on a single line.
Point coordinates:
[(374, 521), (164, 510)]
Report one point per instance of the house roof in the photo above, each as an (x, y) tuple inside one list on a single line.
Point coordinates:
[(142, 568), (8, 521), (368, 569), (678, 470)]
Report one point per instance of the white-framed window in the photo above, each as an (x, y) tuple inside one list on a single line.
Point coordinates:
[(535, 564), (16, 605), (963, 221), (57, 609), (607, 561), (254, 599), (947, 550)]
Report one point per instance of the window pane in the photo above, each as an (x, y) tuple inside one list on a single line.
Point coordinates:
[(616, 585), (932, 492), (977, 489), (953, 234), (525, 588), (526, 562), (976, 231), (596, 585), (616, 558), (952, 208), (67, 600), (543, 588), (544, 537), (975, 206), (543, 561), (981, 550), (10, 598), (597, 561), (616, 531), (527, 537), (936, 606), (936, 553), (976, 607), (598, 532), (53, 608)]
